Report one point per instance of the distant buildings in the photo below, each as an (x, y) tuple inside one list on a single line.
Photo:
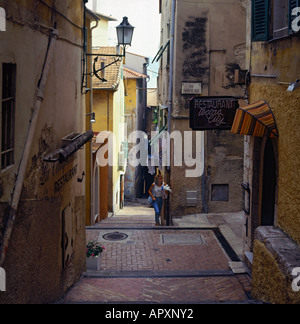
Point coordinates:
[(199, 57)]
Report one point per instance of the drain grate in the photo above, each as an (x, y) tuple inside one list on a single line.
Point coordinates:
[(188, 239), (116, 236)]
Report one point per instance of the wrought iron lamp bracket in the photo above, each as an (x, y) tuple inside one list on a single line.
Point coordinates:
[(118, 58)]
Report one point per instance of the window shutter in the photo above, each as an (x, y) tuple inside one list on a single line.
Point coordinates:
[(292, 5), (260, 20)]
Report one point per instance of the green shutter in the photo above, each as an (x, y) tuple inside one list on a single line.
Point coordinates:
[(292, 4), (260, 20)]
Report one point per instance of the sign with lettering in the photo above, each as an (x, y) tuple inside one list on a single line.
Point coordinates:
[(208, 113), (191, 88), (65, 178)]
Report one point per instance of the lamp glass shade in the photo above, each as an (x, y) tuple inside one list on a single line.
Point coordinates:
[(125, 32)]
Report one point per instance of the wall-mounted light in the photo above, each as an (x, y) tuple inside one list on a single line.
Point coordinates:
[(124, 34), (93, 117), (293, 86)]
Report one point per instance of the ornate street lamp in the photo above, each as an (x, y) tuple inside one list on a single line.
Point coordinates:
[(125, 32)]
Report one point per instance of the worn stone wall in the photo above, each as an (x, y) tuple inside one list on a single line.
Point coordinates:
[(50, 218), (205, 52), (179, 183), (275, 258)]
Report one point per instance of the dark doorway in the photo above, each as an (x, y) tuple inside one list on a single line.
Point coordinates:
[(269, 186)]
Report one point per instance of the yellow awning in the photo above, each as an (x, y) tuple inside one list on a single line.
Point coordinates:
[(256, 119)]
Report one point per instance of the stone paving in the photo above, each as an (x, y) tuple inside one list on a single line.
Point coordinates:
[(144, 250), (161, 264)]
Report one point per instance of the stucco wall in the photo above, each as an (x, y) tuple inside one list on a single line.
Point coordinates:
[(34, 267), (273, 65), (205, 52), (285, 106), (131, 123)]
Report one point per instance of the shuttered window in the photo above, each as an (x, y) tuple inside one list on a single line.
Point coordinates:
[(278, 12), (260, 20), (280, 18)]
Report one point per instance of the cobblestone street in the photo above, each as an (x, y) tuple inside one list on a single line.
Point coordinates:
[(162, 264)]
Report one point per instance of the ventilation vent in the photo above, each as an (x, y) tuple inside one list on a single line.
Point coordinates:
[(191, 198)]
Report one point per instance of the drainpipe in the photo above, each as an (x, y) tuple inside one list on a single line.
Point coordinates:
[(12, 209), (171, 84), (171, 65), (92, 216)]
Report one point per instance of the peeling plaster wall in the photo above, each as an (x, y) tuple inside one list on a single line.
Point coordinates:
[(34, 267), (207, 53)]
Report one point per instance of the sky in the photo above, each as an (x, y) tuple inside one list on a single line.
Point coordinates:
[(142, 14)]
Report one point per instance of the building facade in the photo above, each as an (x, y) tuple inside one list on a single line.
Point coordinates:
[(135, 78), (271, 171), (109, 109), (200, 58), (42, 203), (134, 112)]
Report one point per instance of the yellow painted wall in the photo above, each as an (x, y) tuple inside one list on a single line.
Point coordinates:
[(103, 108), (276, 64), (281, 58), (109, 108), (130, 98)]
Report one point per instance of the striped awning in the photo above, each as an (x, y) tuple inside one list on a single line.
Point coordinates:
[(256, 119)]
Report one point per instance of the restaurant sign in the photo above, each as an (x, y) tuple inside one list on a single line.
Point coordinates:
[(208, 113)]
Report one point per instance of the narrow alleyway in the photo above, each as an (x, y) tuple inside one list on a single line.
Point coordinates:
[(180, 264)]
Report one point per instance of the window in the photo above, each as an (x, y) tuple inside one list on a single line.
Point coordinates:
[(8, 114), (281, 18), (272, 19), (260, 20), (220, 192)]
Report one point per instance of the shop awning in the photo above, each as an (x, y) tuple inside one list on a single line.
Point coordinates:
[(256, 119)]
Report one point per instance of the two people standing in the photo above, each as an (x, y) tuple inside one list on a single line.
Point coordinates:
[(157, 192)]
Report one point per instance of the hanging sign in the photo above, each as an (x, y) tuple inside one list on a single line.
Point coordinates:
[(208, 113)]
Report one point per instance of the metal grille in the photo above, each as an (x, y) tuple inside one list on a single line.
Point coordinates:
[(116, 236), (8, 114)]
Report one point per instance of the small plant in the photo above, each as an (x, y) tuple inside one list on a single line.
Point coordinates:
[(94, 249)]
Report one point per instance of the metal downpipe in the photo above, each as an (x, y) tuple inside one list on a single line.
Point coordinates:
[(12, 209)]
